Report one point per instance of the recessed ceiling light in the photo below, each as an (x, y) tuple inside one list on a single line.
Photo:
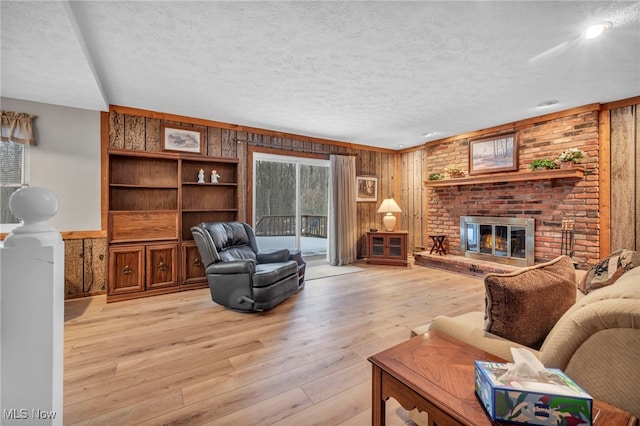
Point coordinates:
[(427, 134), (546, 104), (400, 146), (597, 29)]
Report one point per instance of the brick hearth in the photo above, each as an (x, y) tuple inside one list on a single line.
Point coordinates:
[(464, 265)]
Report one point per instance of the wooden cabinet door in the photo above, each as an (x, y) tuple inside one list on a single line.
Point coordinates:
[(161, 265), (395, 247), (126, 269), (193, 267), (377, 246)]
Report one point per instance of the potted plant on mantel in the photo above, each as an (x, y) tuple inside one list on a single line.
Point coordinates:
[(543, 164), (570, 157), (454, 171)]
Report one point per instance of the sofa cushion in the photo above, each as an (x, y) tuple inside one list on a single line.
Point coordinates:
[(523, 306), (609, 269)]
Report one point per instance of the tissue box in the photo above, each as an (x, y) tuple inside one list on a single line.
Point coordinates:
[(531, 402)]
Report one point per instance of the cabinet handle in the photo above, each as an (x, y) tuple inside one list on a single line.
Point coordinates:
[(127, 270), (162, 266), (197, 262)]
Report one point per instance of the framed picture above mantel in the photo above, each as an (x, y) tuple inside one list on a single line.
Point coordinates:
[(494, 154)]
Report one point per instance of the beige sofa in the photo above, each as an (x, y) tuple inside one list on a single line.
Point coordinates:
[(596, 342)]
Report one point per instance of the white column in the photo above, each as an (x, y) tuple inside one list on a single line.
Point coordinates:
[(32, 313)]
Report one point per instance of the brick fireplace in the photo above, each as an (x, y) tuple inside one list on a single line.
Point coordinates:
[(547, 201)]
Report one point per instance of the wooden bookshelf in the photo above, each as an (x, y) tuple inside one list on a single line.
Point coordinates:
[(154, 200)]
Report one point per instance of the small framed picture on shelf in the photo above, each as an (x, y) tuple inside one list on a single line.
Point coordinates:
[(181, 139), (367, 189)]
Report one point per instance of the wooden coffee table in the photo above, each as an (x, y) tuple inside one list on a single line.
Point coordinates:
[(435, 373)]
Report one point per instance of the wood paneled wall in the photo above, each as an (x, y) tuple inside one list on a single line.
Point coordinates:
[(85, 267), (412, 170), (400, 175), (134, 129), (625, 178)]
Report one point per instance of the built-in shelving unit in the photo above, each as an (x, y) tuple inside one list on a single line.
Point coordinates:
[(573, 173), (154, 200)]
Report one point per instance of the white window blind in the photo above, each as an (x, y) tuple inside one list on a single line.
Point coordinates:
[(14, 174)]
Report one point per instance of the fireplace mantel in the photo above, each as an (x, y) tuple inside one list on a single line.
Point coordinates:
[(573, 173)]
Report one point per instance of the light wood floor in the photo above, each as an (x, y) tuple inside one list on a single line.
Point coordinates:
[(180, 359)]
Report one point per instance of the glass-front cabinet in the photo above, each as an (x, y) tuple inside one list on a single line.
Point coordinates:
[(387, 248)]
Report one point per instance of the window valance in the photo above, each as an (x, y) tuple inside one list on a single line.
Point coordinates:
[(17, 127)]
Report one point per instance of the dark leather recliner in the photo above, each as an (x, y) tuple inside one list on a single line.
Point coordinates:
[(240, 277)]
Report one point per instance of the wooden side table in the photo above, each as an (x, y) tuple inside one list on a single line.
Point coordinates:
[(434, 373), (438, 244)]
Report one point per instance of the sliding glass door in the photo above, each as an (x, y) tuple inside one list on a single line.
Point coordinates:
[(291, 202)]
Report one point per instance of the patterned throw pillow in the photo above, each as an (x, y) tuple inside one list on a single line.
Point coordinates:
[(609, 269), (523, 306)]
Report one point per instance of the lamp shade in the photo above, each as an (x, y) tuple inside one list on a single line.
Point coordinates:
[(389, 205)]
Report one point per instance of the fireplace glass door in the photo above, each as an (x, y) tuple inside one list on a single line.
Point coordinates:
[(497, 240), (518, 242)]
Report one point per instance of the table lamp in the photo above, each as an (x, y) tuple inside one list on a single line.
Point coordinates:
[(389, 206)]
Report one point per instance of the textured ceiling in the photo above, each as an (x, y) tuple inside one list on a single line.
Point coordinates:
[(374, 73)]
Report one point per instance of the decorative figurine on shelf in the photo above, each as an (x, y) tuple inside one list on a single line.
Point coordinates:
[(201, 176), (214, 176)]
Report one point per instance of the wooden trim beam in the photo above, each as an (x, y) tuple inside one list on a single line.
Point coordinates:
[(604, 182), (240, 128), (621, 103), (104, 167), (81, 235), (72, 235)]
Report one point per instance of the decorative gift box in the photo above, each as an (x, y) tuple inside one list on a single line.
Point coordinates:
[(550, 398)]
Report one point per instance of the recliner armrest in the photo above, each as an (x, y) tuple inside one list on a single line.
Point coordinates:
[(273, 256), (233, 267)]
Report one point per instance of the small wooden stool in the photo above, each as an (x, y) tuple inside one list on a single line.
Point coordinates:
[(438, 244)]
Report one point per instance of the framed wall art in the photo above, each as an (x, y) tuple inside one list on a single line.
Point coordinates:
[(367, 189), (181, 139), (494, 154)]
